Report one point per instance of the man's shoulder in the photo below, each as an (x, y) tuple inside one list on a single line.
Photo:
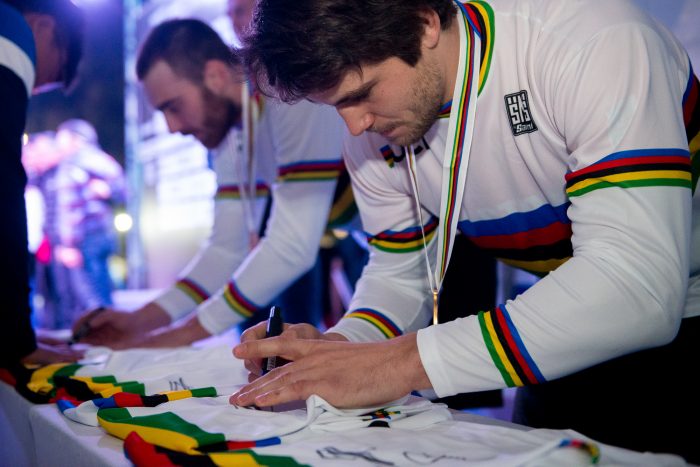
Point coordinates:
[(18, 48), (301, 112)]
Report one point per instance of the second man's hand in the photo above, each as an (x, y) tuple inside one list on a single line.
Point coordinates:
[(182, 334), (118, 329), (347, 375)]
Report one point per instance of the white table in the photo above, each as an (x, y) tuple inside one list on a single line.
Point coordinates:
[(62, 442), (17, 440), (39, 435)]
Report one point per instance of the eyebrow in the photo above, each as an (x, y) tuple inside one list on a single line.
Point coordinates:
[(162, 107), (356, 95)]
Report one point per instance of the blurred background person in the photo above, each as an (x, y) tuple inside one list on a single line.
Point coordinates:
[(80, 185), (99, 188), (291, 150)]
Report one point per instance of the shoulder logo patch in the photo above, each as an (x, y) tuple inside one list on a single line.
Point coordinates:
[(518, 110)]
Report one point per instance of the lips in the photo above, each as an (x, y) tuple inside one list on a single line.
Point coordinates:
[(388, 132)]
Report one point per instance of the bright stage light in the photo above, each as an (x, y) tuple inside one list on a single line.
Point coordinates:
[(123, 222), (87, 3)]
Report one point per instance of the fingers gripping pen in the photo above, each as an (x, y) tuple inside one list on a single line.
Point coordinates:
[(274, 328), (85, 328)]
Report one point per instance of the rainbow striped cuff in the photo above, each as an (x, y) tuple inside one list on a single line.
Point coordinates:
[(235, 299), (234, 191), (193, 290), (310, 171), (404, 241), (631, 169), (590, 448), (379, 320), (507, 349)]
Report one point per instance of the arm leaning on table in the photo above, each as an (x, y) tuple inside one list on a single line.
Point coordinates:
[(220, 255), (304, 143), (383, 341)]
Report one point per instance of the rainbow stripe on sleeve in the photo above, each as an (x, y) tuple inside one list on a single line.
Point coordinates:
[(404, 241), (193, 290), (376, 319), (234, 191), (170, 431), (537, 241), (631, 169), (104, 386), (310, 171), (507, 349), (238, 302), (145, 454), (165, 429), (588, 447)]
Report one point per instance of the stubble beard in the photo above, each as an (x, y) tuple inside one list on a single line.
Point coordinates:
[(425, 106), (220, 115)]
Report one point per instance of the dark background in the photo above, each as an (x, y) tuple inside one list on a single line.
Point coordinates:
[(98, 97)]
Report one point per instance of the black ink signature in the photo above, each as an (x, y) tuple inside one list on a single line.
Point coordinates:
[(428, 459), (334, 453), (178, 384)]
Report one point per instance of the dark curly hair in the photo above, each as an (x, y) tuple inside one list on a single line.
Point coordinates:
[(185, 45), (298, 47)]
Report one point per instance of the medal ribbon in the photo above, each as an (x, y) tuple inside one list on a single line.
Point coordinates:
[(456, 158), (250, 113)]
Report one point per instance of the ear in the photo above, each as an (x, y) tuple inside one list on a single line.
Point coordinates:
[(431, 28), (217, 76)]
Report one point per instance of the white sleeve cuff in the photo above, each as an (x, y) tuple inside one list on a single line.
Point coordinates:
[(435, 368), (216, 317), (357, 331), (176, 303)]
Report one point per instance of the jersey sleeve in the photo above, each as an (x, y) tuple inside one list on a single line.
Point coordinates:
[(393, 295), (217, 259), (304, 141), (629, 188), (228, 243)]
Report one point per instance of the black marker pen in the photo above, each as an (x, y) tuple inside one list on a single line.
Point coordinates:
[(274, 328), (85, 328)]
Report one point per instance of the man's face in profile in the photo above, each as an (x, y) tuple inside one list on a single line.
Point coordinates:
[(189, 108)]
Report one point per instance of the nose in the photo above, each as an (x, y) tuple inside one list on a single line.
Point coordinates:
[(356, 119), (174, 123)]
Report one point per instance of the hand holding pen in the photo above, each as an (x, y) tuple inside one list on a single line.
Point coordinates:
[(85, 328), (274, 328)]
